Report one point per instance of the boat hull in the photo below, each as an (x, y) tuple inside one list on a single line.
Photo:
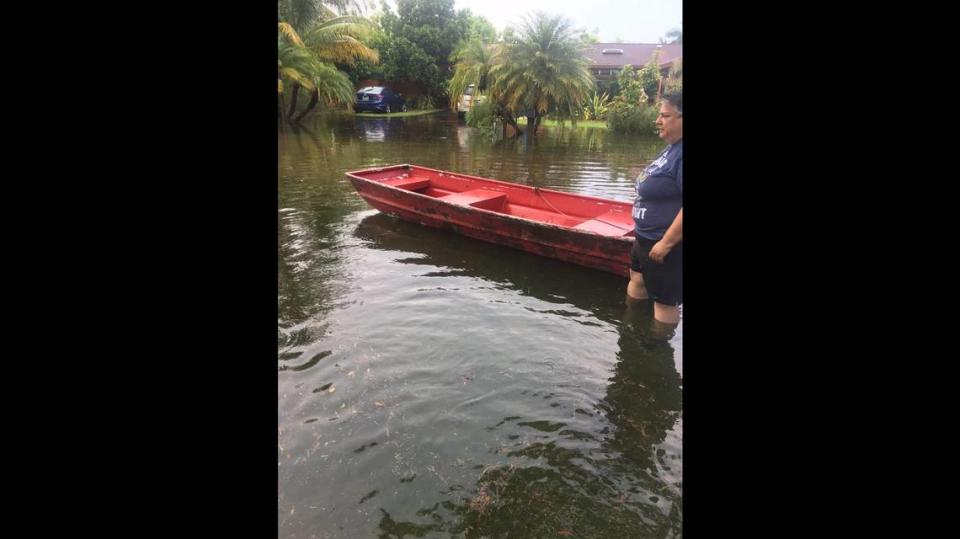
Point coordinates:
[(538, 221)]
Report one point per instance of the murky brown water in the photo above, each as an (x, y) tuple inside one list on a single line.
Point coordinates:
[(436, 386)]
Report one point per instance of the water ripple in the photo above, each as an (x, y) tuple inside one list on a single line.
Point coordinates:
[(449, 387)]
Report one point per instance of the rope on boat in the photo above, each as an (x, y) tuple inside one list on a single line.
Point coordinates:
[(537, 191), (615, 225)]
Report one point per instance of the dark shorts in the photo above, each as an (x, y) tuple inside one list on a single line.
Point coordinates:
[(663, 281)]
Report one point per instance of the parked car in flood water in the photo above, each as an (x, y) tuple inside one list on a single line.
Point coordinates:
[(379, 99), (465, 103)]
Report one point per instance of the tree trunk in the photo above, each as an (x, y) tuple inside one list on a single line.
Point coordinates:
[(293, 100), (533, 122), (314, 97), (280, 95), (513, 123), (508, 119)]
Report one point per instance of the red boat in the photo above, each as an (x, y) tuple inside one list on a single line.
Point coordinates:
[(590, 231)]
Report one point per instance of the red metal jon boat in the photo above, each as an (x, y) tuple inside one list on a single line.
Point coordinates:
[(590, 231)]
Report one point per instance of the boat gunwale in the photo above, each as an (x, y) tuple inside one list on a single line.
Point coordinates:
[(353, 175)]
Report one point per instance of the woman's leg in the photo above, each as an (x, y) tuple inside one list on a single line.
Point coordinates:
[(636, 290), (666, 314)]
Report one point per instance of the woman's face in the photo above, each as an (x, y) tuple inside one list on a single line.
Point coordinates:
[(670, 123)]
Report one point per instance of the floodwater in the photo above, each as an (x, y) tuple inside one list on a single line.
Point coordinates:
[(432, 385)]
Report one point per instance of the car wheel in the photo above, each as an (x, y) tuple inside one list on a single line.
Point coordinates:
[(388, 109)]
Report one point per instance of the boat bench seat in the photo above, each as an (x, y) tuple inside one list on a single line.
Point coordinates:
[(609, 224), (478, 198), (413, 183)]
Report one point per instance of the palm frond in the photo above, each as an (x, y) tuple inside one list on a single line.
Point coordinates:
[(333, 85), (338, 40), (287, 31), (327, 13), (345, 50), (304, 80)]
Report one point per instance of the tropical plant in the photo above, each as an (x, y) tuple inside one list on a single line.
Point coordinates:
[(631, 111), (675, 77), (419, 39), (637, 120), (543, 70), (596, 107), (480, 28), (481, 114), (631, 91), (328, 38), (332, 87), (649, 76), (302, 13), (337, 40), (295, 63)]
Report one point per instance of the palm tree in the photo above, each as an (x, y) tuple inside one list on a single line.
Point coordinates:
[(303, 67), (332, 85), (329, 38), (543, 70), (303, 13), (295, 63), (337, 40)]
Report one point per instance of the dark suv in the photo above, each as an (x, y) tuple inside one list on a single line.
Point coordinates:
[(379, 99)]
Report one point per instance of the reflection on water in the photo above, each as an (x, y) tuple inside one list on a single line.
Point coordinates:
[(433, 385), (374, 129), (607, 469)]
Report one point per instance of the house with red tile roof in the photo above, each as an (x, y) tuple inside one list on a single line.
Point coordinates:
[(607, 59)]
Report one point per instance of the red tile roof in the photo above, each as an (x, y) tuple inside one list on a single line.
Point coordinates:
[(635, 54)]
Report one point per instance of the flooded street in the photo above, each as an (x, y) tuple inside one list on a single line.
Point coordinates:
[(432, 385)]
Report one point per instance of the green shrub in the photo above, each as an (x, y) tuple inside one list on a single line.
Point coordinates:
[(675, 78), (596, 107), (481, 114), (631, 91), (635, 120)]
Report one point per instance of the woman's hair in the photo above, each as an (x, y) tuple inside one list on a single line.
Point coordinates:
[(675, 99)]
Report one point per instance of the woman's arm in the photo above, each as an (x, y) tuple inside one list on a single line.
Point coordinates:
[(673, 236)]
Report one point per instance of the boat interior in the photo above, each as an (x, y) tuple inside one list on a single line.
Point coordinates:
[(590, 214)]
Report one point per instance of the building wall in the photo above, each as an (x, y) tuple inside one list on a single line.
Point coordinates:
[(610, 73)]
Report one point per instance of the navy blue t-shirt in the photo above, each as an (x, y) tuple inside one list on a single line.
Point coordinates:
[(659, 193)]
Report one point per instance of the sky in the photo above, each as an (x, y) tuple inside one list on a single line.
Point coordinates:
[(632, 21)]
